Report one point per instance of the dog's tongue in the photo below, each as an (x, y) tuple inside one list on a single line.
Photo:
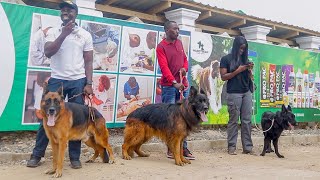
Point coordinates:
[(203, 117), (51, 120), (291, 127)]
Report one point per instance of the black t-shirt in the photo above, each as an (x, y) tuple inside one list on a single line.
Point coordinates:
[(240, 82)]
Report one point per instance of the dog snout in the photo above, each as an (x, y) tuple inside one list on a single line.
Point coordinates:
[(206, 108), (52, 111)]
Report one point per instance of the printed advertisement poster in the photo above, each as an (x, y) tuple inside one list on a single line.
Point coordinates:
[(106, 44), (287, 76), (26, 67), (206, 53), (133, 92), (104, 89), (138, 51)]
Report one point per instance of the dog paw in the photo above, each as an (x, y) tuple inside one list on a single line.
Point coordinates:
[(186, 161), (127, 157), (90, 161), (269, 151), (111, 161), (262, 154), (50, 171), (57, 174), (280, 156), (144, 155), (180, 163)]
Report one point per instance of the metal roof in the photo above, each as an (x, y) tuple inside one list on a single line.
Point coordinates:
[(214, 19)]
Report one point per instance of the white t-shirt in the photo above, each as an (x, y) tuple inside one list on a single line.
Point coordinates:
[(68, 62)]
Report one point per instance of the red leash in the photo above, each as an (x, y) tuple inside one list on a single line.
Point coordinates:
[(181, 81)]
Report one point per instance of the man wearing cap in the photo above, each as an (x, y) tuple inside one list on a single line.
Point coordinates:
[(70, 48)]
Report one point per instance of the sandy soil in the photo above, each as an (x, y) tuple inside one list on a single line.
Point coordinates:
[(300, 162)]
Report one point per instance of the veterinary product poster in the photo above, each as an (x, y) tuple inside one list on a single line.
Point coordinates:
[(24, 67), (287, 76)]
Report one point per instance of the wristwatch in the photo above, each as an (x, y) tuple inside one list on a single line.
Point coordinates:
[(89, 82)]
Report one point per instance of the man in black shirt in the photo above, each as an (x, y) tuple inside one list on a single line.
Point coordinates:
[(235, 67)]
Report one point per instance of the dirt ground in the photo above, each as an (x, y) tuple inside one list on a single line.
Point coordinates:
[(300, 162)]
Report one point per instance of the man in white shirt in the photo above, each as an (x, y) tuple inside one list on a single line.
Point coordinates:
[(70, 48)]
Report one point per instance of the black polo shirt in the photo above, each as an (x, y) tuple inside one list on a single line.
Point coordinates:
[(240, 82)]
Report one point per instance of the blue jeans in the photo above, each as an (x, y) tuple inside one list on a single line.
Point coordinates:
[(171, 95), (70, 88)]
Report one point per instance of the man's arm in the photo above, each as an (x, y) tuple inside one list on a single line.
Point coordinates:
[(51, 48), (163, 63), (184, 70), (88, 64)]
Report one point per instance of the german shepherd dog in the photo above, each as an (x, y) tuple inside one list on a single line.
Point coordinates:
[(283, 119), (65, 121), (169, 122)]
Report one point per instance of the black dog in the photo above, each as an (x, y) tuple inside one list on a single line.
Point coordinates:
[(279, 121)]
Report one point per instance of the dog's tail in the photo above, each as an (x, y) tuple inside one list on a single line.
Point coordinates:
[(196, 72)]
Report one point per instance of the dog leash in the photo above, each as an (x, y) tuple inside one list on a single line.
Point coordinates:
[(181, 80), (255, 123)]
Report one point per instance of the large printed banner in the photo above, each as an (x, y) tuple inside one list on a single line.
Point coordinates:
[(124, 64), (287, 76), (282, 76)]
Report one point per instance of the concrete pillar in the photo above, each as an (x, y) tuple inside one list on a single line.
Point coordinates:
[(256, 33), (309, 42), (185, 18), (88, 7)]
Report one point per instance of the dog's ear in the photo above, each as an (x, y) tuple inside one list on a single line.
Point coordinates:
[(193, 92), (289, 108), (283, 108), (45, 88), (60, 91)]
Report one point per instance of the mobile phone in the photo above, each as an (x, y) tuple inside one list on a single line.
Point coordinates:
[(249, 63)]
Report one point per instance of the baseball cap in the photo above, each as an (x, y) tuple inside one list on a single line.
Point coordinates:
[(69, 4)]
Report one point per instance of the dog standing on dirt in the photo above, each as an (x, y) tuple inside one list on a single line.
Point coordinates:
[(169, 122), (65, 121), (274, 124)]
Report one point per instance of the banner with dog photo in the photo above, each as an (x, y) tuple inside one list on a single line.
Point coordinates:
[(206, 52)]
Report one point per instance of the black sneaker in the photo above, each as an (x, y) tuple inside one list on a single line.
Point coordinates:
[(249, 152), (187, 154), (34, 161), (75, 164)]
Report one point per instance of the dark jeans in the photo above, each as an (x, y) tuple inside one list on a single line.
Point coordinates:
[(70, 88), (171, 95)]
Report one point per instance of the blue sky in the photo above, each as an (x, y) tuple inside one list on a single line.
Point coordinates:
[(295, 12)]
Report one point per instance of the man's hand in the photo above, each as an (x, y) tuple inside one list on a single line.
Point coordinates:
[(183, 71), (178, 86), (88, 89), (68, 28)]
